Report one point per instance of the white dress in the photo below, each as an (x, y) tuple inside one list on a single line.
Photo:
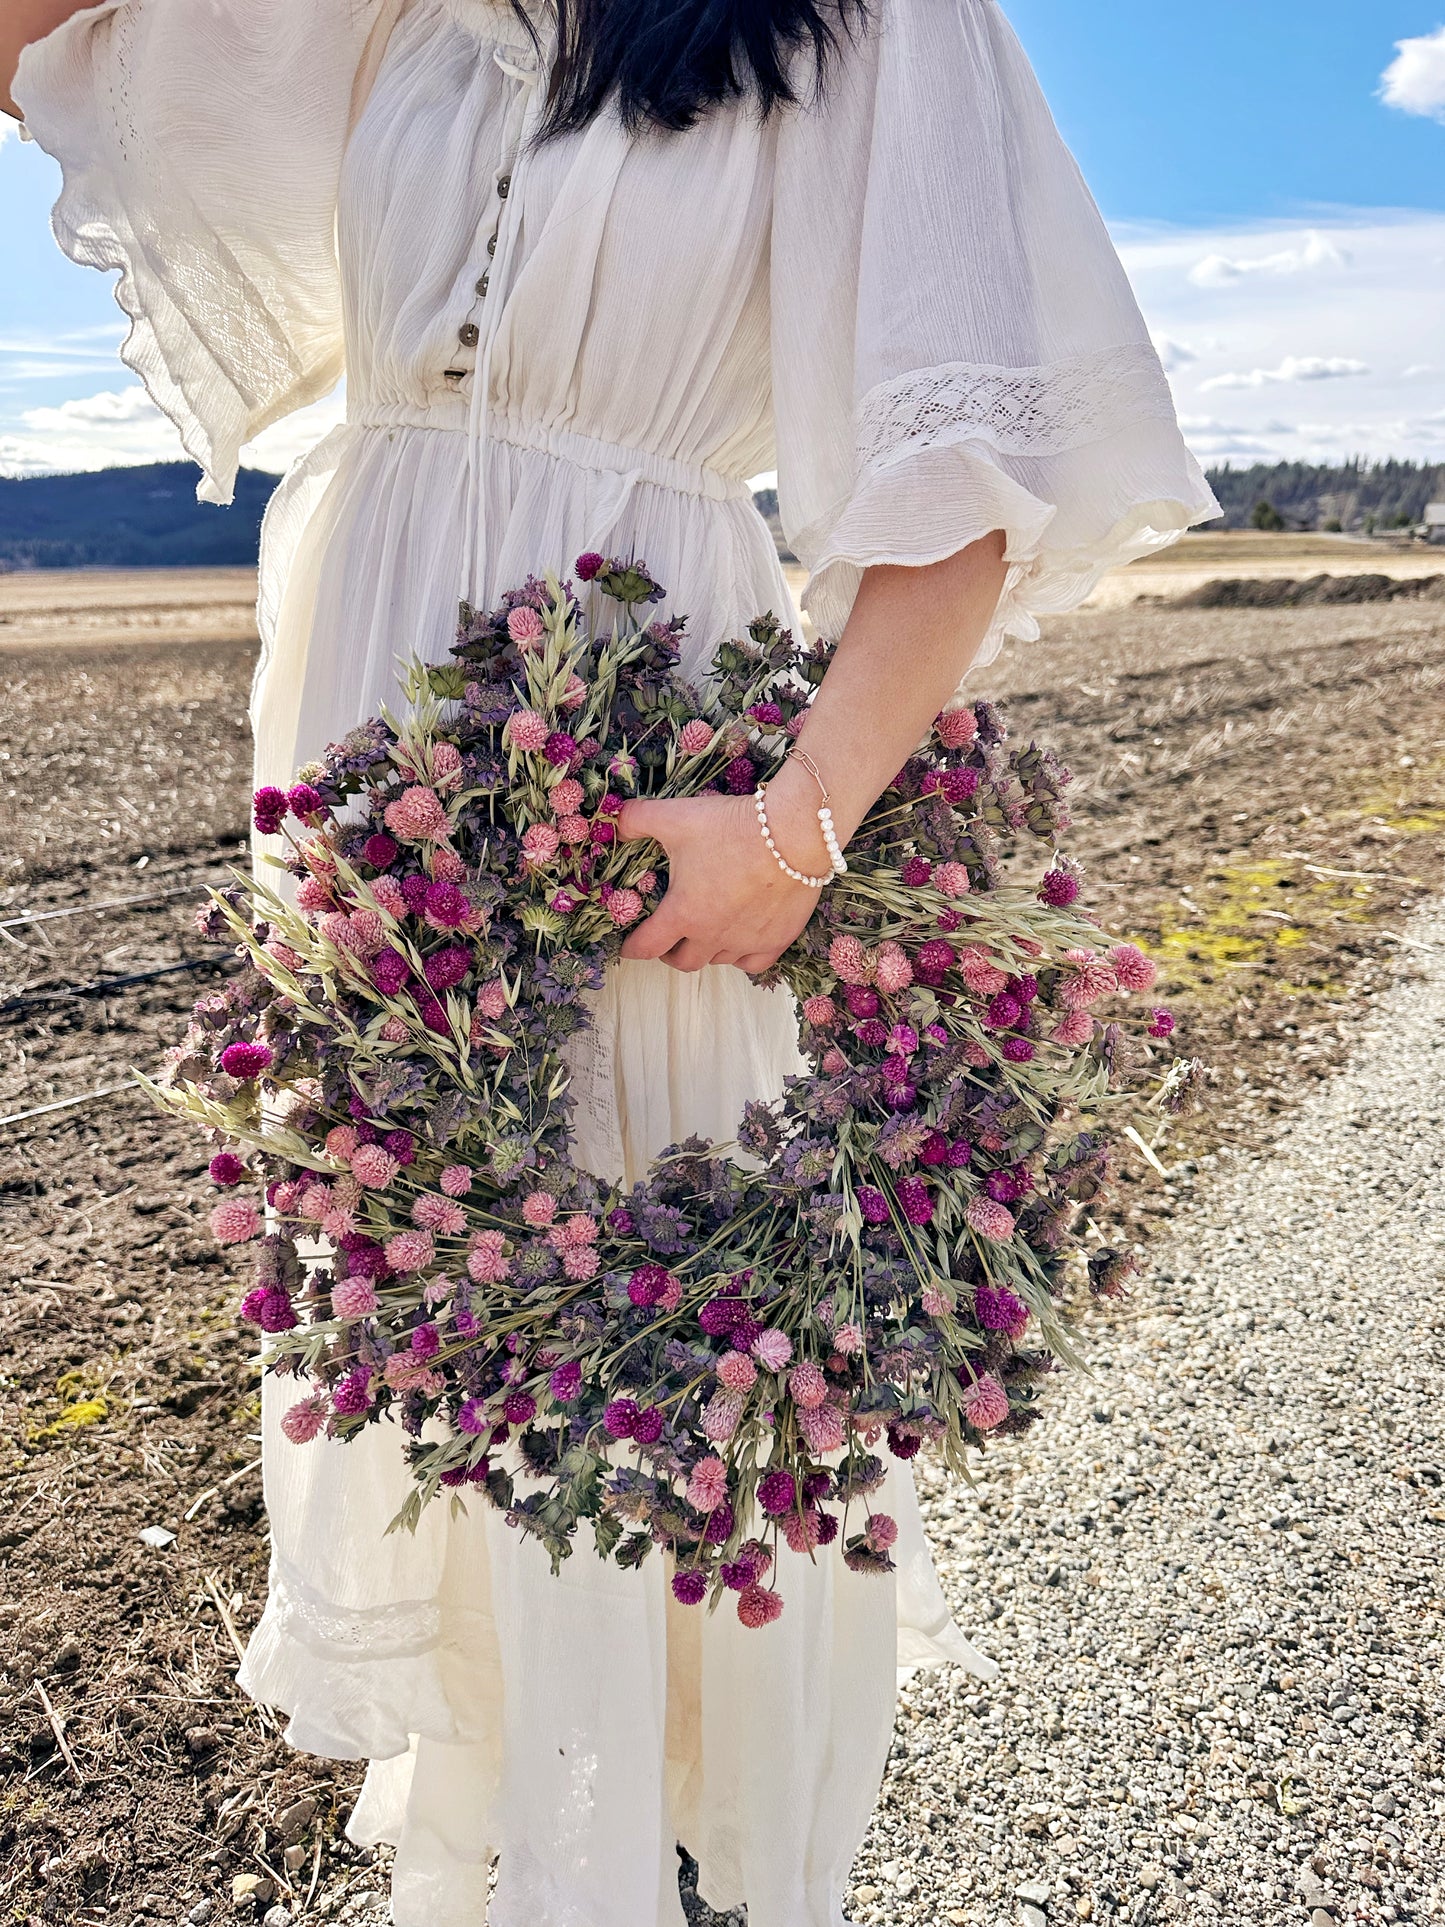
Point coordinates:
[(903, 299)]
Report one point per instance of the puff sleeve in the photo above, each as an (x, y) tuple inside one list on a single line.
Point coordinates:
[(955, 345), (200, 145)]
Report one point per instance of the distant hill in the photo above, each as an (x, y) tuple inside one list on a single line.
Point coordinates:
[(1353, 497), (128, 518)]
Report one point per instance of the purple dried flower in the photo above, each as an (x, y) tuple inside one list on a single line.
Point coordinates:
[(689, 1587), (243, 1060)]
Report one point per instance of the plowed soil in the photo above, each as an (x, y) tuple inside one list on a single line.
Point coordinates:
[(1259, 798)]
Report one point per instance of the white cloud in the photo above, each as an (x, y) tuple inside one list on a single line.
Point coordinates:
[(120, 427), (1256, 337), (1414, 81), (1292, 368), (1316, 251), (1174, 354)]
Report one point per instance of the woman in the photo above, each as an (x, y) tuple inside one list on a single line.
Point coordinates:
[(586, 270)]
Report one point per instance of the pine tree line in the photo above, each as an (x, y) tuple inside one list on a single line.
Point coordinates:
[(1354, 497)]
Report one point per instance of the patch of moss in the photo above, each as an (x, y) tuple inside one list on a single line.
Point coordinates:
[(83, 1401)]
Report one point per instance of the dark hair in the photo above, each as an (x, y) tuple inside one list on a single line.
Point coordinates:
[(667, 62)]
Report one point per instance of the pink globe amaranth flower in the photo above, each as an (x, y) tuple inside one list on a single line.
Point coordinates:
[(445, 865), (721, 1415), (820, 1012), (850, 960), (431, 1213), (573, 829), (873, 1205), (565, 1382), (834, 1062), (646, 884), (374, 1166), (574, 693), (560, 748), (757, 1606), (242, 1060), (689, 1587), (981, 973), (526, 730), (986, 1403), (581, 1229), (772, 1349), (284, 955), (456, 1180), (1090, 980), (313, 893), (539, 1208), (315, 1201), (226, 1168), (390, 895), (989, 1218), (410, 1250), (823, 1426), (395, 1031), (737, 1372), (892, 970), (418, 815), (525, 625), (707, 1484), (934, 1302), (353, 1394), (565, 798), (881, 1531), (695, 737), (268, 809), (807, 1385), (491, 1000), (1133, 969), (446, 763), (1161, 1022), (302, 1422), (581, 1262), (951, 879), (957, 728), (235, 1221), (1059, 889), (619, 1417), (487, 1261), (354, 1298), (915, 1200), (624, 907), (1074, 1029), (589, 565), (540, 843), (803, 1530)]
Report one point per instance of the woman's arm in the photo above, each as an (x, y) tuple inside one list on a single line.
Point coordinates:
[(22, 21), (911, 637)]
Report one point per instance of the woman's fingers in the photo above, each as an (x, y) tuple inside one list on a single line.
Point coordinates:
[(654, 938), (758, 962), (644, 817), (689, 955)]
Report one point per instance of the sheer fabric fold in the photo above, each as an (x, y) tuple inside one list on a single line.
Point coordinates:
[(201, 145), (955, 345)]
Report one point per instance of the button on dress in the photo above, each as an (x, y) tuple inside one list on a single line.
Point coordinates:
[(901, 297)]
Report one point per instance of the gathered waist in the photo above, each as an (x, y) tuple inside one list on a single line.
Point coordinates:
[(449, 414)]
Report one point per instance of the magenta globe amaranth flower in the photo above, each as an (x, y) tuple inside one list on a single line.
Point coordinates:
[(873, 1205), (620, 1417), (242, 1060), (589, 565), (268, 810), (1059, 889), (226, 1168), (689, 1587), (380, 850)]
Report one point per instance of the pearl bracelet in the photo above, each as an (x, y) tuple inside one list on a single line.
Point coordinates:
[(830, 838)]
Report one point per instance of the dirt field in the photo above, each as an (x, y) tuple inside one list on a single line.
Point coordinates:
[(1259, 796)]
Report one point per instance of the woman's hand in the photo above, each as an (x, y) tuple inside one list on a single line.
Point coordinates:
[(727, 901), (912, 634)]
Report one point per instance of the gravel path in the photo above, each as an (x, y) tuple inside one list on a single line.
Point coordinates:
[(1214, 1577)]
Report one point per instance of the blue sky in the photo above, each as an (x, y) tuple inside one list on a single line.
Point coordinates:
[(1275, 177)]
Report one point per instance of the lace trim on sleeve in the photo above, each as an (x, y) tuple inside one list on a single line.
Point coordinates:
[(1039, 411)]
